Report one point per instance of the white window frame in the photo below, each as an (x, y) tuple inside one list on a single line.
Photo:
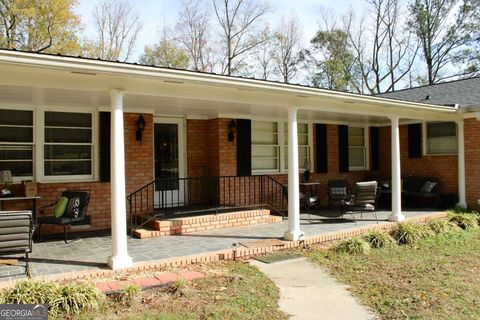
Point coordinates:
[(278, 148), (18, 179), (425, 140), (366, 148), (40, 133), (282, 147)]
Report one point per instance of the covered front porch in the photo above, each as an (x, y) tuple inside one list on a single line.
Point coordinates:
[(201, 107), (87, 254)]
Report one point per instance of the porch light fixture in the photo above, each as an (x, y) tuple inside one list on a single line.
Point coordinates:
[(232, 129), (140, 127)]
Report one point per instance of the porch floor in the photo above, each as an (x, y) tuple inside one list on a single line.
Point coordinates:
[(55, 257)]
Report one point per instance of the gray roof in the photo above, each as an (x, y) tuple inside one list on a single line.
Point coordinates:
[(465, 93)]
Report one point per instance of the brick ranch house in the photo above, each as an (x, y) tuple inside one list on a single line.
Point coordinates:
[(72, 123)]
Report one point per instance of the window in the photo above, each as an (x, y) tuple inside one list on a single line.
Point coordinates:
[(441, 138), (357, 150), (303, 146), (68, 144), (16, 142), (270, 146), (265, 146)]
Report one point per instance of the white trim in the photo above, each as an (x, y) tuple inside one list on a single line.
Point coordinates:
[(182, 142), (282, 138), (102, 68), (40, 143), (127, 110), (366, 146)]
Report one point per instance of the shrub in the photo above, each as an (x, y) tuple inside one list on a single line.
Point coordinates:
[(409, 233), (439, 226), (353, 246), (127, 294), (78, 297), (70, 299), (465, 220), (379, 239)]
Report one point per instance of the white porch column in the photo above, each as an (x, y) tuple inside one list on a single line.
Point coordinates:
[(396, 214), (120, 258), (462, 202), (293, 233)]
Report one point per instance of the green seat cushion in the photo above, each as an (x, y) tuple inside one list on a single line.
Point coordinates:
[(60, 207)]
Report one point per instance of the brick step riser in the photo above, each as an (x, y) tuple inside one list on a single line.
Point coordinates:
[(204, 223)]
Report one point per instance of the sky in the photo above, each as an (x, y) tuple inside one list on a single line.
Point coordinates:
[(153, 12)]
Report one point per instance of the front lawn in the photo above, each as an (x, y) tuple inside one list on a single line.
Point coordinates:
[(230, 290), (436, 278)]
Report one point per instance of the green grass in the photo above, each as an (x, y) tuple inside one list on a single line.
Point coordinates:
[(231, 290), (437, 277)]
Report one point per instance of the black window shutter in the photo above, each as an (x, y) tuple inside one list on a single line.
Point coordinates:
[(244, 147), (343, 148), (374, 148), (415, 140), (105, 146), (321, 158)]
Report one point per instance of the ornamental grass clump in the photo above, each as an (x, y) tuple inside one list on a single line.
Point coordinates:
[(465, 220), (353, 246), (410, 233), (379, 239), (69, 299), (127, 295), (441, 226)]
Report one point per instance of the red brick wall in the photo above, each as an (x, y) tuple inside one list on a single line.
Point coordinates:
[(472, 162), (138, 168), (442, 167), (208, 150)]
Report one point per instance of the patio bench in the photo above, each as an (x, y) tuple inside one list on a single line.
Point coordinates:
[(416, 190), (16, 234)]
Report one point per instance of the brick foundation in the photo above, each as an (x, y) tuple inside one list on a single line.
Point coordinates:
[(207, 222)]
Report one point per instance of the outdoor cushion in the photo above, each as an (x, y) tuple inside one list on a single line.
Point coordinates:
[(428, 186), (73, 207), (84, 200), (60, 207), (338, 191)]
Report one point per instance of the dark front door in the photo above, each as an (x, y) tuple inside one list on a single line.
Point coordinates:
[(169, 191)]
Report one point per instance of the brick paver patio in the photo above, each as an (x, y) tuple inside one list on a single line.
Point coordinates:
[(55, 257)]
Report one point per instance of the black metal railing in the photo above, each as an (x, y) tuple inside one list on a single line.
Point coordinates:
[(174, 197)]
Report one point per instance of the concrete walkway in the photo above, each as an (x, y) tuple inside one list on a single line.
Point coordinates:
[(308, 292)]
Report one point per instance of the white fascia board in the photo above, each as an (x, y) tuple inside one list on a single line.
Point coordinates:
[(122, 69)]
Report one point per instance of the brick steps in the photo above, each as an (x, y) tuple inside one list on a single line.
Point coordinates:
[(177, 226)]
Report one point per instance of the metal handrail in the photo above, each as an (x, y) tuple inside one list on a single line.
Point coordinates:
[(163, 198)]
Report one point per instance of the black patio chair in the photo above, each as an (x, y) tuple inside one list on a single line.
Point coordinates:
[(66, 219), (363, 200), (307, 201), (338, 191)]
